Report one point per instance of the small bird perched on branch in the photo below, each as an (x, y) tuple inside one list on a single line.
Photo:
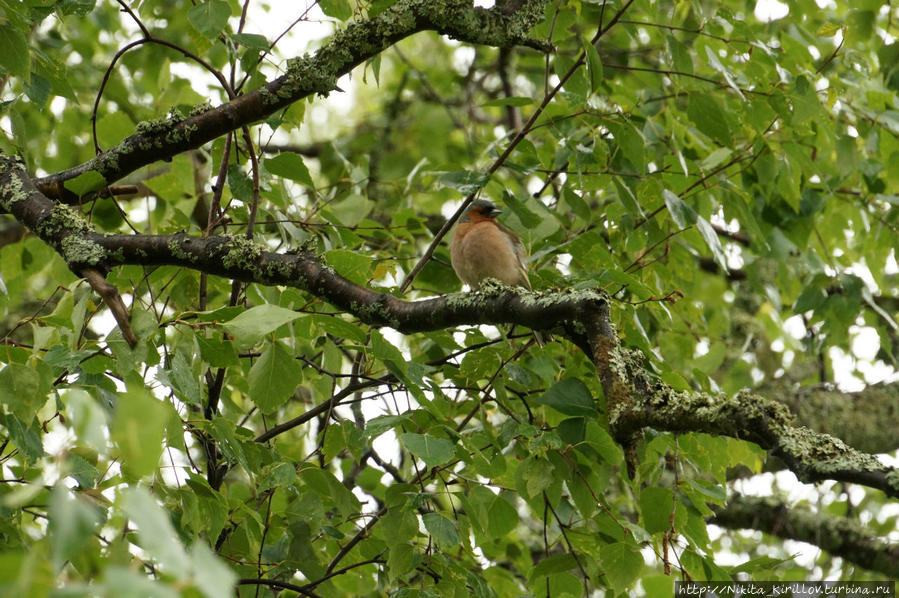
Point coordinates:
[(483, 248)]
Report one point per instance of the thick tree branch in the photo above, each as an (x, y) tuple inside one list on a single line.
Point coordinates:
[(636, 401), (840, 536), (318, 73)]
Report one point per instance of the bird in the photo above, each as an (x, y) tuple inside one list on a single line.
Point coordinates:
[(482, 248)]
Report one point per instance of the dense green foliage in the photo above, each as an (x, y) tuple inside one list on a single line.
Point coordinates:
[(732, 184)]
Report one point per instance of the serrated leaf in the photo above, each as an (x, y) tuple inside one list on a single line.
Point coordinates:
[(209, 18), (21, 391), (14, 54), (707, 114), (555, 563), (569, 396), (433, 451), (622, 565), (253, 41), (538, 475), (250, 326), (290, 166), (354, 266), (441, 529), (139, 430), (656, 506), (274, 377)]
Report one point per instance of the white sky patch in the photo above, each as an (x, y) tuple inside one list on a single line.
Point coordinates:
[(770, 10), (794, 327)]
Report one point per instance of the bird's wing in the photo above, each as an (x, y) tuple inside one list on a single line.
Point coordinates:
[(520, 252)]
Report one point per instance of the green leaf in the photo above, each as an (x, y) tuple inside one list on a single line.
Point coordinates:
[(594, 66), (139, 429), (465, 182), (325, 484), (85, 183), (21, 390), (538, 475), (352, 265), (253, 41), (111, 129), (26, 438), (249, 327), (433, 451), (631, 144), (274, 377), (290, 166), (656, 506), (600, 439), (14, 54), (72, 522), (333, 324), (859, 26), (707, 114), (385, 350), (828, 30), (378, 425), (400, 559), (555, 563), (442, 530), (210, 17), (711, 239), (569, 396), (622, 564), (157, 536), (218, 352), (682, 214), (338, 9), (211, 575), (502, 517)]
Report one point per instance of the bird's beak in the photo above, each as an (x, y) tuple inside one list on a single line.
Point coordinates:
[(494, 213)]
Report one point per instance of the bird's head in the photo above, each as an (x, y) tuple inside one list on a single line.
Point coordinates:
[(480, 209)]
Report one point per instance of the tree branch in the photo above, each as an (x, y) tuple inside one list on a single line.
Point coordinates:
[(361, 40), (840, 536)]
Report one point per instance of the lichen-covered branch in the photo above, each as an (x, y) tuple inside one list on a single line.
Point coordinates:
[(866, 419), (839, 536), (305, 76), (636, 401)]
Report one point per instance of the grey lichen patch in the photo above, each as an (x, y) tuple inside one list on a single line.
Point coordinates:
[(174, 247), (374, 313), (241, 253), (309, 74), (824, 453), (61, 221), (80, 252), (13, 191), (201, 108)]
